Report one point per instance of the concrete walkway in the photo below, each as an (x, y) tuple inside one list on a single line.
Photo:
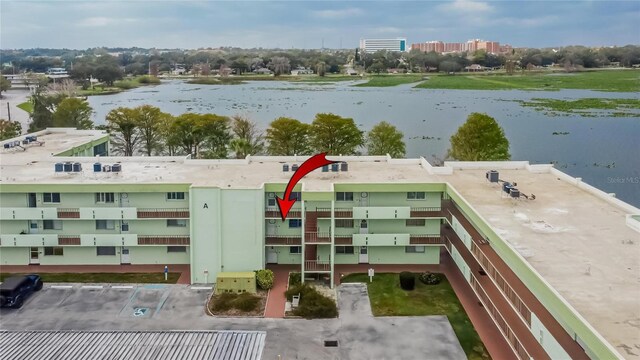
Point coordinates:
[(14, 98), (183, 269)]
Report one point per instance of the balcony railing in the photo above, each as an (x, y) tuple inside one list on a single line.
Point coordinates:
[(337, 213), (426, 240), (322, 237), (163, 240), (68, 213), (163, 213), (321, 212), (275, 214), (68, 239), (283, 240), (343, 239), (426, 212), (316, 266)]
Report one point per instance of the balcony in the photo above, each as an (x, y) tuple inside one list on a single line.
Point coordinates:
[(320, 212), (163, 213), (426, 240), (68, 213), (275, 214), (69, 240), (426, 212), (283, 240), (317, 238), (163, 240), (343, 239), (24, 240), (317, 266), (25, 213)]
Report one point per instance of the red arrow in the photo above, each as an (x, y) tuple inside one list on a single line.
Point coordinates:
[(308, 166)]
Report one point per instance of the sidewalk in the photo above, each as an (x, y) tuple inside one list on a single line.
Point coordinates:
[(277, 300), (183, 269)]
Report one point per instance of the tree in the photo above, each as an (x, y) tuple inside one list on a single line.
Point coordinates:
[(4, 84), (64, 87), (201, 134), (248, 139), (480, 138), (9, 129), (288, 137), (384, 139), (280, 65), (335, 135), (123, 126), (449, 66), (149, 120), (73, 112), (321, 68), (108, 74), (44, 105)]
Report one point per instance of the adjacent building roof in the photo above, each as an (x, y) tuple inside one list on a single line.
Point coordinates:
[(126, 345)]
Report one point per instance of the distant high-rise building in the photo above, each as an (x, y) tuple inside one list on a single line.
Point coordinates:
[(469, 46), (373, 45)]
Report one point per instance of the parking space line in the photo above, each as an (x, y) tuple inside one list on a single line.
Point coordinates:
[(92, 286), (162, 301), (61, 286), (202, 288), (122, 287), (129, 302)]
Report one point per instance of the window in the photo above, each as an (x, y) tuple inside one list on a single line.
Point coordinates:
[(295, 249), (271, 202), (176, 222), (344, 249), (344, 196), (51, 198), (295, 223), (416, 222), (344, 223), (175, 196), (124, 226), (106, 250), (105, 224), (52, 224), (53, 251), (296, 195), (416, 195), (105, 198), (414, 249), (176, 249)]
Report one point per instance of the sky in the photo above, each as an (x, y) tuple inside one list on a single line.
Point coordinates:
[(310, 24)]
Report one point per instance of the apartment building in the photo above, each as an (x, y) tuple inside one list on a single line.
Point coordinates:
[(538, 255), (457, 47), (373, 45)]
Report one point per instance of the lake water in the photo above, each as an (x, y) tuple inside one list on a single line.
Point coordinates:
[(604, 151)]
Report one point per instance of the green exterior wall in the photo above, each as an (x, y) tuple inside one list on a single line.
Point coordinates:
[(14, 256)]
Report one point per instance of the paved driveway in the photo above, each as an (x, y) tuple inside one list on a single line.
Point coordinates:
[(181, 307)]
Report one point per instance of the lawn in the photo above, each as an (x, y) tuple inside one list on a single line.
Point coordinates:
[(26, 106), (390, 80), (603, 80), (584, 107), (155, 278), (388, 299)]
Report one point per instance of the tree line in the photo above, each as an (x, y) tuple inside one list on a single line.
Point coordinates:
[(98, 62)]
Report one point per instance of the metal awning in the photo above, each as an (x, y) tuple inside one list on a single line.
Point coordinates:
[(126, 345)]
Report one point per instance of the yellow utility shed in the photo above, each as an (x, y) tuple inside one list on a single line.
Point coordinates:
[(236, 282)]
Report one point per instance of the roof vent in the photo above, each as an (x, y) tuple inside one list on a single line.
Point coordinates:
[(68, 167), (77, 167), (285, 167), (493, 176), (106, 168), (59, 167), (116, 168), (294, 167), (325, 168), (334, 167), (344, 166)]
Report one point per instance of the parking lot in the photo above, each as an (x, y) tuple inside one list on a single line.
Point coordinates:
[(181, 307)]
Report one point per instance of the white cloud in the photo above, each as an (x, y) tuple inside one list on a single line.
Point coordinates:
[(100, 21), (467, 6), (528, 22), (387, 30), (338, 13)]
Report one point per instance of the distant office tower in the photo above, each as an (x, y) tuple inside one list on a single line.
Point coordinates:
[(373, 45)]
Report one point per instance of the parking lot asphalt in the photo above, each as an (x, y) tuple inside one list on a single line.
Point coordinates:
[(182, 307)]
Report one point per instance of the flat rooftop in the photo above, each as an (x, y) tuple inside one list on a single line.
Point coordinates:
[(578, 238)]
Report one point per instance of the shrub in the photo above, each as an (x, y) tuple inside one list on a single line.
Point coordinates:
[(145, 79), (302, 289), (295, 278), (407, 280), (264, 278), (429, 278), (314, 305), (124, 85), (223, 302), (246, 302)]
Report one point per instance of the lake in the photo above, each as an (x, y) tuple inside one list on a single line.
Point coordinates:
[(604, 151)]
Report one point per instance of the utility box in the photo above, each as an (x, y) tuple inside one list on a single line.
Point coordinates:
[(236, 282)]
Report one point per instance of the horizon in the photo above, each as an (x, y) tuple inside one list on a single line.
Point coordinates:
[(312, 25)]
